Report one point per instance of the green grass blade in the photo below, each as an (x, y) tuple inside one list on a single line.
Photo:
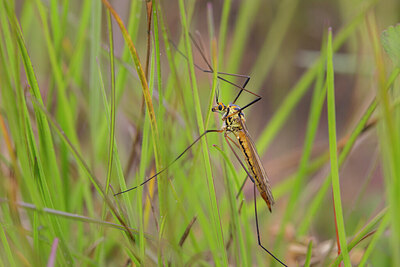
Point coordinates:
[(241, 252), (45, 161), (143, 80), (94, 94), (65, 116), (340, 227), (309, 254), (87, 170), (365, 232), (244, 21), (389, 141), (219, 252), (112, 111), (359, 128), (76, 63), (317, 102), (273, 41), (223, 29), (377, 235), (298, 91), (7, 248)]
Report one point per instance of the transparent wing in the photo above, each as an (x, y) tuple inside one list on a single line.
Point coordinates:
[(260, 173)]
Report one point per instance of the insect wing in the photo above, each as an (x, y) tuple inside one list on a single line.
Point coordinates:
[(261, 175)]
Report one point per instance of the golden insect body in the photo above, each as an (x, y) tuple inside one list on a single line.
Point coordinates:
[(234, 122)]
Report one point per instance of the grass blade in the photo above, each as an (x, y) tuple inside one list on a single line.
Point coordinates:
[(219, 251), (389, 140), (339, 221), (309, 254)]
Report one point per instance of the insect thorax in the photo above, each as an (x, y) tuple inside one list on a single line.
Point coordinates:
[(233, 122)]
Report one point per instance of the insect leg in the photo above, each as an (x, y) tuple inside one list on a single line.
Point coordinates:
[(183, 55), (233, 141), (245, 178), (247, 78), (186, 233), (227, 138), (246, 106), (241, 187), (258, 230), (251, 103), (210, 70), (180, 155), (201, 53)]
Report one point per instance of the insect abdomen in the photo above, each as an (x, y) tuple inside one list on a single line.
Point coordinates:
[(261, 186)]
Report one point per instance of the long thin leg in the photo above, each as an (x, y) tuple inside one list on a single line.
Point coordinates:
[(242, 88), (241, 187), (228, 244), (239, 110), (180, 155), (228, 140), (238, 86), (201, 52), (251, 103), (186, 233), (245, 179), (258, 230), (222, 73), (237, 157), (233, 141), (210, 70)]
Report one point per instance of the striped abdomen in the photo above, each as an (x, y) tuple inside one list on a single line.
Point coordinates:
[(255, 166)]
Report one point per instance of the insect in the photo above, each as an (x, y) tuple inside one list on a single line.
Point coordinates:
[(234, 123)]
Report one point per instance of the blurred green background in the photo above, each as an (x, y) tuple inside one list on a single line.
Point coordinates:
[(64, 96)]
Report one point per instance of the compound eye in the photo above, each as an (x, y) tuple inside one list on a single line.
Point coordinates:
[(220, 107)]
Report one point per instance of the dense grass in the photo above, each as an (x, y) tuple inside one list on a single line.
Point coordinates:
[(95, 99)]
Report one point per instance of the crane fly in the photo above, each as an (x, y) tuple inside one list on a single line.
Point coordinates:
[(233, 122)]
